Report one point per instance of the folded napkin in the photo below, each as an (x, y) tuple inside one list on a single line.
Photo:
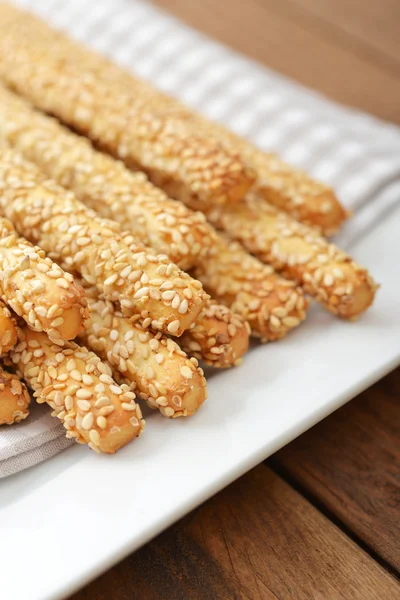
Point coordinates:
[(355, 153)]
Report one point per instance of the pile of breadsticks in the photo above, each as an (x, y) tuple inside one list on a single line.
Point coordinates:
[(100, 242)]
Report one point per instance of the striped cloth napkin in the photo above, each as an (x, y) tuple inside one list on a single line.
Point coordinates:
[(355, 153)]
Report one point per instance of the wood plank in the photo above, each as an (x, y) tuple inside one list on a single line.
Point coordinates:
[(350, 463), (372, 25), (258, 539), (263, 30)]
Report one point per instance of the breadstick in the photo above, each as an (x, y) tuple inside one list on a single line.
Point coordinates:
[(271, 304), (290, 189), (38, 290), (14, 399), (70, 85), (55, 150), (142, 282), (325, 272), (8, 331), (104, 184), (162, 374), (80, 390), (219, 337), (253, 292)]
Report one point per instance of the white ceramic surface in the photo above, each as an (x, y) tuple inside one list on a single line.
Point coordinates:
[(66, 520)]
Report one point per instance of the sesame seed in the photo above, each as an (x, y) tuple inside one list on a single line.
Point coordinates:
[(87, 421), (69, 402), (159, 358), (52, 311), (113, 335), (52, 372), (176, 301), (275, 322), (57, 322), (154, 344), (102, 401), (183, 307), (291, 321), (128, 406), (62, 283), (115, 389), (141, 293), (94, 436), (76, 375), (81, 393), (149, 373), (101, 422), (168, 295), (186, 372), (173, 327), (106, 410), (71, 365), (83, 405), (112, 279)]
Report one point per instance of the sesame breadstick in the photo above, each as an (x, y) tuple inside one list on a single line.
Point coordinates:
[(72, 83), (161, 373), (271, 304), (290, 189), (325, 272), (8, 330), (80, 390), (142, 282), (98, 180), (104, 184), (37, 289), (219, 337), (14, 398)]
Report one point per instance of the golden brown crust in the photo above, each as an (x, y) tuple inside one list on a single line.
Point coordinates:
[(271, 304), (37, 289), (8, 330), (14, 399), (104, 184), (93, 408), (72, 83), (325, 272), (157, 368), (291, 190), (144, 283), (220, 337)]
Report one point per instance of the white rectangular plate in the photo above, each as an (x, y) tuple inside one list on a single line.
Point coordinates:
[(68, 519)]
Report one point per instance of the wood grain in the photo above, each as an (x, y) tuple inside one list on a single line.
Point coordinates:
[(370, 27), (258, 539), (298, 48), (350, 464)]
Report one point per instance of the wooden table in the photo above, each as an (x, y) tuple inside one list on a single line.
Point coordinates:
[(320, 519)]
